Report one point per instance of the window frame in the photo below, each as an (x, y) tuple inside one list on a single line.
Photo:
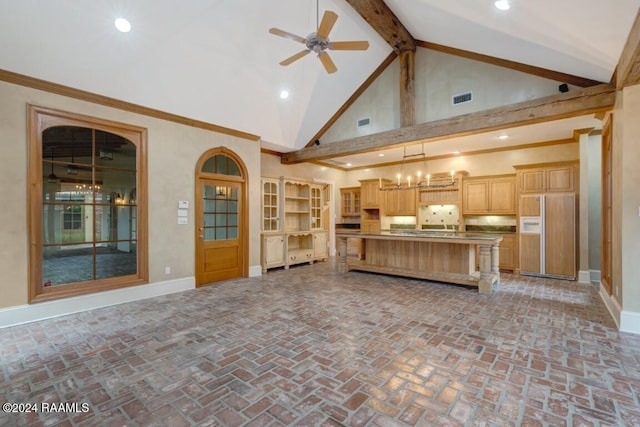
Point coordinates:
[(39, 119)]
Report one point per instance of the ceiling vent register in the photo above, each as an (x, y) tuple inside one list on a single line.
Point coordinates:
[(462, 98), (364, 122)]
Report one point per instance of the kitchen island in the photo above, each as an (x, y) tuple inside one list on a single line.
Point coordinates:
[(434, 255)]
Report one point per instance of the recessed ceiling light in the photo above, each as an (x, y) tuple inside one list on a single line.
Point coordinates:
[(456, 152), (348, 164), (502, 4), (503, 137), (122, 25), (380, 154), (284, 94)]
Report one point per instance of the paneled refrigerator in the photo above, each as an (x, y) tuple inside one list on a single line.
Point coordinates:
[(548, 235)]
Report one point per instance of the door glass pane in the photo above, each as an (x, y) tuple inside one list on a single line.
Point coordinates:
[(221, 164), (220, 215), (209, 233), (232, 232), (209, 219)]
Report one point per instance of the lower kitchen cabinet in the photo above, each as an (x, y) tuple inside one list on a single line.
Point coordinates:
[(286, 249), (272, 251), (508, 255), (320, 248)]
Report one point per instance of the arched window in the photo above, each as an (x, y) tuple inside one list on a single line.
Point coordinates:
[(87, 206)]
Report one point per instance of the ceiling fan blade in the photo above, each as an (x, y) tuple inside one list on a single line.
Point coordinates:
[(351, 45), (327, 62), (295, 57), (328, 20), (287, 35)]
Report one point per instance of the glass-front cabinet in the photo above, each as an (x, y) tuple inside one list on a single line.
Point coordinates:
[(299, 237), (270, 204)]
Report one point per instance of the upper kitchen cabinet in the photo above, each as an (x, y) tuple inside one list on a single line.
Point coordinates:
[(547, 177), (370, 196), (350, 199), (400, 202), (489, 195)]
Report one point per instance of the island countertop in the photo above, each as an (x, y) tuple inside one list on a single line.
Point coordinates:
[(444, 256), (461, 236)]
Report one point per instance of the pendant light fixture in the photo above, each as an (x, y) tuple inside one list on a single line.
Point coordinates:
[(426, 181), (52, 178)]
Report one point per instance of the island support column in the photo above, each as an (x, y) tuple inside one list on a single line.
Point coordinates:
[(486, 275), (495, 262)]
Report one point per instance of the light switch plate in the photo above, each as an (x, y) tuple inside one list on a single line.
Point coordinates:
[(183, 212), (182, 220), (183, 204)]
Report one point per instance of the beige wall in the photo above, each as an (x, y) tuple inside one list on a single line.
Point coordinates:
[(173, 151), (438, 77)]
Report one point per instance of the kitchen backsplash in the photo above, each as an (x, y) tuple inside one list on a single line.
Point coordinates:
[(438, 215), (491, 220)]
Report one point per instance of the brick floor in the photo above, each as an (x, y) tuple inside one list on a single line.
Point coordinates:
[(310, 346)]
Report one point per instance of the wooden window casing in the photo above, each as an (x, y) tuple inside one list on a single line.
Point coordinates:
[(40, 119)]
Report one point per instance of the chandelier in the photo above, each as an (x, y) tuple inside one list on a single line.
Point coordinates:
[(420, 180)]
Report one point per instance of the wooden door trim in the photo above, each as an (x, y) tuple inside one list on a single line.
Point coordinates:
[(244, 200)]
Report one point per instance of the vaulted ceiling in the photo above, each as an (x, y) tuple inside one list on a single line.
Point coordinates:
[(215, 61)]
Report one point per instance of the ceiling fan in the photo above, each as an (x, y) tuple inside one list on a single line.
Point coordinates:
[(319, 42)]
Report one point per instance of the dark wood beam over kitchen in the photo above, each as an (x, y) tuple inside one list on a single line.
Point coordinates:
[(628, 69), (385, 22), (570, 104), (407, 88)]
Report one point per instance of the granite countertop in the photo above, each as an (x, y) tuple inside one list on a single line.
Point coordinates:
[(427, 234)]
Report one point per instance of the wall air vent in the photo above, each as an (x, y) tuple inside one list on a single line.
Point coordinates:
[(462, 98), (364, 122)]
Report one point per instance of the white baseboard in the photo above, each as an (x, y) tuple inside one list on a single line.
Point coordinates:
[(630, 322), (595, 275), (255, 270), (44, 310), (611, 304), (584, 276)]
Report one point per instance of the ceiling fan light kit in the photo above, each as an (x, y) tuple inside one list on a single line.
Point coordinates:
[(319, 43)]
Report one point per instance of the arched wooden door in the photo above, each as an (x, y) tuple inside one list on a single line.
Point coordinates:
[(221, 217)]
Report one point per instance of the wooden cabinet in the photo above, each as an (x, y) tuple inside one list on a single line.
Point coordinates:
[(272, 251), (316, 206), (400, 202), (507, 260), (494, 195), (296, 206), (370, 193), (320, 249), (350, 198), (370, 204), (547, 177), (299, 237), (370, 226), (508, 252), (270, 204)]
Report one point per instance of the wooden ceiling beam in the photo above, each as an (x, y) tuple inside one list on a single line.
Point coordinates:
[(571, 104), (385, 22), (628, 70)]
